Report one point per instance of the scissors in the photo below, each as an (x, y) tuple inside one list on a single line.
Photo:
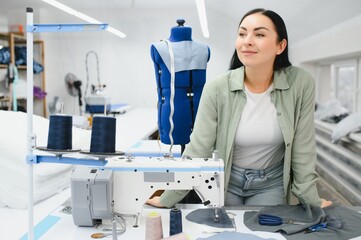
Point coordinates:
[(330, 221), (272, 220), (316, 227)]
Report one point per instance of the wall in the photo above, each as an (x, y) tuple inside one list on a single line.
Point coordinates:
[(3, 24), (341, 41)]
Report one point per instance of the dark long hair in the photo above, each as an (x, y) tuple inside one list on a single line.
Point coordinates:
[(281, 60)]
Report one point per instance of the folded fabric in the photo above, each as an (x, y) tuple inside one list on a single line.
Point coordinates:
[(351, 123), (350, 219), (20, 56), (297, 213), (234, 236), (20, 59), (330, 109)]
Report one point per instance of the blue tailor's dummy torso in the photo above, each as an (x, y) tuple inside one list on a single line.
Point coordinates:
[(190, 62)]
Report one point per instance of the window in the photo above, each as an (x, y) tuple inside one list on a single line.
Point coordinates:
[(344, 84)]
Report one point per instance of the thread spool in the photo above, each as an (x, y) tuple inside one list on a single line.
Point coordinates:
[(103, 134), (175, 222), (179, 236), (153, 227), (60, 132)]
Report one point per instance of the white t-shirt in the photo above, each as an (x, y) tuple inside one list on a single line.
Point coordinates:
[(258, 142)]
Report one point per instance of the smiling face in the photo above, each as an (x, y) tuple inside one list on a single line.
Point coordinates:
[(257, 43)]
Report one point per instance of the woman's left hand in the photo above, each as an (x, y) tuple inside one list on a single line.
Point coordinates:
[(155, 202), (325, 203)]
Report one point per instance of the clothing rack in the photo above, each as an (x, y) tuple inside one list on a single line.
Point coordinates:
[(32, 28)]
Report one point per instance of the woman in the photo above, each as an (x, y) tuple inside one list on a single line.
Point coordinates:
[(259, 116)]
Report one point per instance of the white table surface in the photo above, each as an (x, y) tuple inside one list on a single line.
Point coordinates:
[(135, 125), (65, 228), (14, 222), (15, 226)]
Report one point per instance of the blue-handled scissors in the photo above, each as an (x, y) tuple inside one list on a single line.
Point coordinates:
[(316, 227), (271, 220), (330, 221)]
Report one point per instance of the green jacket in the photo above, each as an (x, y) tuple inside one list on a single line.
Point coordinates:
[(219, 112)]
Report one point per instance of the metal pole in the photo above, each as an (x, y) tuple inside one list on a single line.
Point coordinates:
[(31, 138), (29, 109)]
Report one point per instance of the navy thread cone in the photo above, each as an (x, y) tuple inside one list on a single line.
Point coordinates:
[(175, 223), (60, 132), (103, 135)]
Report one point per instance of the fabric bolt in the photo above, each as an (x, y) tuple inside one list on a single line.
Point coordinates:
[(206, 216), (350, 219), (234, 236)]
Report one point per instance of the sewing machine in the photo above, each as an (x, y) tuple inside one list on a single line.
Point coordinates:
[(137, 178)]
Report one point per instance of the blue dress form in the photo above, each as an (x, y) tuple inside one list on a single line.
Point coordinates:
[(191, 59)]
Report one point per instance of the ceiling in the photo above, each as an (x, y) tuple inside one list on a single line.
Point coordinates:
[(303, 18)]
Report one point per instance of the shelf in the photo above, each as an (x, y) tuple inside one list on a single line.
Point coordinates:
[(18, 39), (2, 66)]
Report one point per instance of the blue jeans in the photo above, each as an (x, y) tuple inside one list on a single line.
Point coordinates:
[(256, 187)]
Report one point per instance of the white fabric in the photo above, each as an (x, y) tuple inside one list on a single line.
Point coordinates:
[(350, 124), (258, 140), (329, 109), (49, 179)]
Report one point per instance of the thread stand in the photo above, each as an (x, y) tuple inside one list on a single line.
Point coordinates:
[(102, 156), (58, 153)]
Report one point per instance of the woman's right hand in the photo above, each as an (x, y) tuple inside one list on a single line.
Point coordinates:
[(325, 203), (155, 202)]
